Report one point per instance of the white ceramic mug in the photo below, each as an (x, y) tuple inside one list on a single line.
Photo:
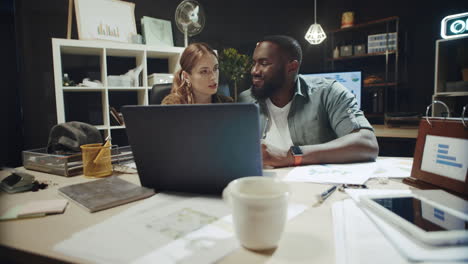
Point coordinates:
[(259, 210)]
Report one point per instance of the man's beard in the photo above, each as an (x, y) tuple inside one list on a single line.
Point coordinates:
[(270, 87)]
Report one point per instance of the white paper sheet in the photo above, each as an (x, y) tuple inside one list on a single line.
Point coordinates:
[(356, 193), (393, 168), (446, 156), (360, 242), (357, 173), (166, 227)]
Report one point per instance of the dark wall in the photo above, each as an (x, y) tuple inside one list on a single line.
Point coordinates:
[(10, 128), (237, 24)]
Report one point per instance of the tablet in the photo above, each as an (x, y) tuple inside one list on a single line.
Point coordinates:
[(424, 220)]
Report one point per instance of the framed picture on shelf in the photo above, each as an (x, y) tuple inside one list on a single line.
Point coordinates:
[(105, 20), (157, 31)]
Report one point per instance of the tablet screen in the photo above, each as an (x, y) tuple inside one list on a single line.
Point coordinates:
[(424, 215)]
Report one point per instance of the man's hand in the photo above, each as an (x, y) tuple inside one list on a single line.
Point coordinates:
[(275, 157)]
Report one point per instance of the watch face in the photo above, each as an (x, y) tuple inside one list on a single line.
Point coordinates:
[(295, 150)]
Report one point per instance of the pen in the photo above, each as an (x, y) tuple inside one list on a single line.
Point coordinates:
[(101, 151), (327, 193)]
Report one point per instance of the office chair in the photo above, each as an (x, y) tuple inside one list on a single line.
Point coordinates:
[(159, 91)]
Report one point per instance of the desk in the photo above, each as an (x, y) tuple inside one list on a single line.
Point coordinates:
[(395, 132), (308, 238), (396, 141)]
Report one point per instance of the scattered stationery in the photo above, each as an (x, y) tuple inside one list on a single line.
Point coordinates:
[(164, 229), (357, 173), (363, 237), (35, 209), (104, 193), (327, 193)]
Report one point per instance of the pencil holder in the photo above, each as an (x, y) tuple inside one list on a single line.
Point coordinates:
[(96, 160)]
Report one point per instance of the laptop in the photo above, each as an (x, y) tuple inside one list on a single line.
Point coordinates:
[(194, 148)]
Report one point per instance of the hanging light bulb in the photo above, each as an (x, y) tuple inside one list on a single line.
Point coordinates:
[(315, 35)]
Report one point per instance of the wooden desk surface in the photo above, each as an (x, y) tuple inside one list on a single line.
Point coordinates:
[(395, 132), (308, 238)]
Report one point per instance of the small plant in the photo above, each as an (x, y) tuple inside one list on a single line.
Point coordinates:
[(234, 66)]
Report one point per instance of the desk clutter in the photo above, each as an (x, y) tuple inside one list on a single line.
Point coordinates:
[(63, 155), (35, 209), (104, 193), (362, 236), (165, 228)]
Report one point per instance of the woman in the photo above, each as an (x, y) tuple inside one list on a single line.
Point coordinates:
[(197, 80)]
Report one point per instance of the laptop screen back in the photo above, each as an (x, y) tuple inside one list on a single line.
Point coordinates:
[(194, 148)]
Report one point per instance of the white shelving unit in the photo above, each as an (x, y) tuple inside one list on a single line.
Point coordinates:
[(104, 50), (447, 70)]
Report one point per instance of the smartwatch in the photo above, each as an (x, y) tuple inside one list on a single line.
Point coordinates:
[(297, 155)]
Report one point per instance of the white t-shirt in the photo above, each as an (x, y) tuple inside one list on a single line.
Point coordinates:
[(277, 133)]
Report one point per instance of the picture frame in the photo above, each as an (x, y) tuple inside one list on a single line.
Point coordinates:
[(157, 31), (112, 20)]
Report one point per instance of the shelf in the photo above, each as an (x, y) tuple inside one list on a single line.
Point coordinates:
[(82, 89), (451, 94), (93, 104), (362, 56), (99, 89), (370, 23), (372, 85), (115, 88), (395, 132)]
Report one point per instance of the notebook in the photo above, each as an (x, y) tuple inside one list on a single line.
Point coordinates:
[(194, 148), (104, 193)]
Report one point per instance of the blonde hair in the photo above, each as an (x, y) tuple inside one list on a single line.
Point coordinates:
[(190, 57)]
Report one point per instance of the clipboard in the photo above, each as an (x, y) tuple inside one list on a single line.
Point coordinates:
[(441, 154)]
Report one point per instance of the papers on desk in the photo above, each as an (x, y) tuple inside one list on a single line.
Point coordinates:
[(163, 229), (356, 173), (393, 168), (363, 237), (35, 209)]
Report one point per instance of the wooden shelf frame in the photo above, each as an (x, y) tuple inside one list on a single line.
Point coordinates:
[(391, 57)]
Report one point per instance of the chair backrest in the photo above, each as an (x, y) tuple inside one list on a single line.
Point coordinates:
[(159, 91)]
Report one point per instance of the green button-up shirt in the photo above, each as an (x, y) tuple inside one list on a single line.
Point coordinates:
[(321, 110)]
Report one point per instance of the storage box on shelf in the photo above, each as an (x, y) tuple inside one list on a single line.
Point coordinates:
[(379, 64), (105, 61)]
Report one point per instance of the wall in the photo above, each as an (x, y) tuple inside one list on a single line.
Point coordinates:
[(237, 24), (10, 128)]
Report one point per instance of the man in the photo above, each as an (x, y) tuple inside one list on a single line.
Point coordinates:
[(318, 117)]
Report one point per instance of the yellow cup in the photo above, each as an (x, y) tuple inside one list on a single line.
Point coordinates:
[(96, 167)]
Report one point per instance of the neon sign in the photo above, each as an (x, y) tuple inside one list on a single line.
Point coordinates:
[(454, 26)]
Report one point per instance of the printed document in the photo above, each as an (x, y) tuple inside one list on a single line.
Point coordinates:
[(164, 229)]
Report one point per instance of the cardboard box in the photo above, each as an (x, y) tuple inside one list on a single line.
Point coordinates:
[(158, 78)]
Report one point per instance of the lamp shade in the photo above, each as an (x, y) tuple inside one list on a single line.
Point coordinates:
[(315, 35)]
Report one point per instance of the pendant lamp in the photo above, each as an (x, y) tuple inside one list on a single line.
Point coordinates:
[(315, 35)]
